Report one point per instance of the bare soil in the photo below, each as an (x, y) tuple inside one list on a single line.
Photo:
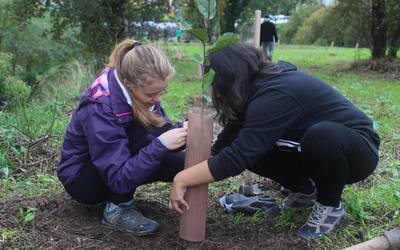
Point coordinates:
[(61, 223), (386, 68)]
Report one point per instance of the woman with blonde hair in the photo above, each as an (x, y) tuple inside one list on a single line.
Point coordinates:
[(119, 137)]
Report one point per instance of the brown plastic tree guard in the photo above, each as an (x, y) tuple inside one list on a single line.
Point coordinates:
[(198, 149)]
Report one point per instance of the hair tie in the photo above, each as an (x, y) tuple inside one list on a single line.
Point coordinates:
[(135, 44)]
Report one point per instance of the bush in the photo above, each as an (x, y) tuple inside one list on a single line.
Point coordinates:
[(5, 66), (312, 29), (296, 20), (15, 91)]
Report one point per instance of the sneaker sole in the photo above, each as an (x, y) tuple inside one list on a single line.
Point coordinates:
[(108, 225)]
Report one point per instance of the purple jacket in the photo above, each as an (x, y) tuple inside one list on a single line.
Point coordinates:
[(104, 133)]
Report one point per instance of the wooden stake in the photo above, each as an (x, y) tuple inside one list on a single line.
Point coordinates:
[(257, 28), (391, 240), (247, 187), (198, 149), (200, 72)]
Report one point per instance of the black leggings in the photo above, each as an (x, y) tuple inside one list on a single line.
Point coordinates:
[(90, 189), (332, 155)]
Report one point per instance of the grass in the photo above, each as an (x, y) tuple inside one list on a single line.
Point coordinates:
[(373, 205)]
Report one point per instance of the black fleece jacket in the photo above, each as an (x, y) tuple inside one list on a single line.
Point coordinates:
[(283, 106)]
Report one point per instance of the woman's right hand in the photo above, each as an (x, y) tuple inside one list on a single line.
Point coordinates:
[(174, 138)]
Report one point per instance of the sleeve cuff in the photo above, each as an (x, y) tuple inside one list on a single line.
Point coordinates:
[(215, 171), (159, 146)]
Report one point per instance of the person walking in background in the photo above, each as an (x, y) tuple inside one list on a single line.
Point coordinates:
[(119, 137), (268, 37), (178, 34), (288, 126)]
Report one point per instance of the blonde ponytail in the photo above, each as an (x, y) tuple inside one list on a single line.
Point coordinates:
[(136, 63)]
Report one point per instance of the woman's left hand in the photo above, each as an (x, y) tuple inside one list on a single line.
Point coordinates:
[(176, 197)]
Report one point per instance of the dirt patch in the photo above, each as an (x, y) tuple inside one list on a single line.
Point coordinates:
[(61, 223), (388, 69)]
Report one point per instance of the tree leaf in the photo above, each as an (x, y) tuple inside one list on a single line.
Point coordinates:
[(200, 34), (207, 8), (182, 21), (198, 58), (223, 41)]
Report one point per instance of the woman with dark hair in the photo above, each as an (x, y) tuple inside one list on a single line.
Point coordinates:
[(288, 126)]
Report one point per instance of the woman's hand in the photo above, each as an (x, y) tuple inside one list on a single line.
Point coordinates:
[(176, 197), (174, 138)]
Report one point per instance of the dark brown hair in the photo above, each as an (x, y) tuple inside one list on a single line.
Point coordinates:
[(236, 67)]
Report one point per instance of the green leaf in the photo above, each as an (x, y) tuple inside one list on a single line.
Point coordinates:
[(183, 22), (207, 8), (223, 41), (198, 58), (30, 214), (200, 34)]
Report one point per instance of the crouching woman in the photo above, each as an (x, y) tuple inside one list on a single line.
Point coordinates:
[(289, 126), (119, 137)]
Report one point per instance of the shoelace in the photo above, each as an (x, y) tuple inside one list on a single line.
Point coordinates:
[(316, 214)]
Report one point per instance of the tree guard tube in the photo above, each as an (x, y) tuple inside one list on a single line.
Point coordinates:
[(198, 149)]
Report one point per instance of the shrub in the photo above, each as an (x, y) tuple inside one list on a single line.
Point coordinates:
[(312, 28), (289, 29), (15, 91)]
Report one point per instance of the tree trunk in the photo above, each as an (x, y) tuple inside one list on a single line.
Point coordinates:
[(394, 44), (232, 11), (378, 28), (229, 22)]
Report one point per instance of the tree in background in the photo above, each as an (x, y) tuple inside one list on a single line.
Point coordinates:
[(296, 20), (25, 34), (393, 14), (231, 12), (275, 7), (104, 23), (377, 21)]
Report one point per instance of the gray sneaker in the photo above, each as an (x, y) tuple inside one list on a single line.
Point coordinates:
[(234, 203), (128, 219), (322, 220), (299, 200)]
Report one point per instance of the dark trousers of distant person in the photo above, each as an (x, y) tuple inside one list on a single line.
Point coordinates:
[(268, 49)]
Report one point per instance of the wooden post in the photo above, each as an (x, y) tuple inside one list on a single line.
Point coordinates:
[(200, 71), (257, 28), (198, 149), (391, 240), (247, 187)]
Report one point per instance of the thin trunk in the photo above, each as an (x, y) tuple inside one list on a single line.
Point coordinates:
[(394, 44), (378, 28)]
